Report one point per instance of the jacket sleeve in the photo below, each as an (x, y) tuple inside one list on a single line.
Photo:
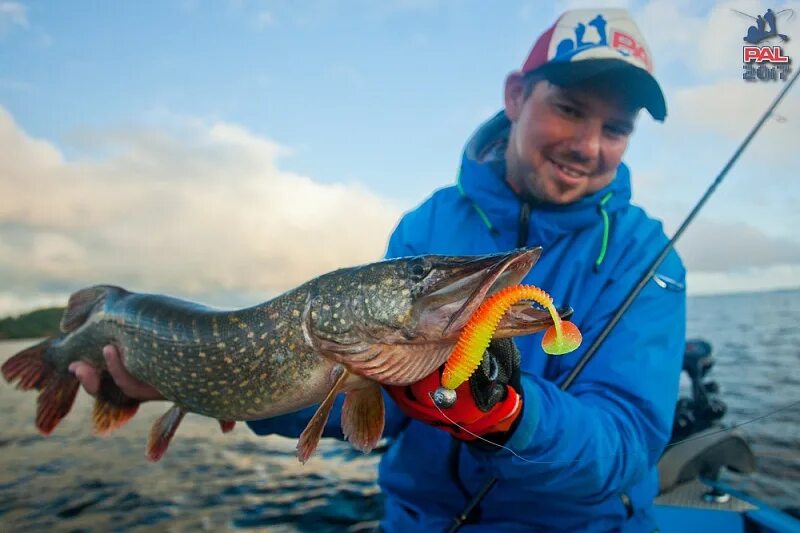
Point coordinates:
[(608, 430), (293, 424)]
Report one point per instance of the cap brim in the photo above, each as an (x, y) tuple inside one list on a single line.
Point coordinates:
[(637, 81)]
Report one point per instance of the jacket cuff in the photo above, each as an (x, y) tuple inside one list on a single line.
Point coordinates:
[(529, 418), (524, 427)]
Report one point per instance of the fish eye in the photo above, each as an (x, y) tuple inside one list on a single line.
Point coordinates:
[(418, 269)]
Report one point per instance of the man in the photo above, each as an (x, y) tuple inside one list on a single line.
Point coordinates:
[(547, 171)]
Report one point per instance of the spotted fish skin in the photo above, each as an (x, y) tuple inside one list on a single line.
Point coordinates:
[(230, 365), (390, 322)]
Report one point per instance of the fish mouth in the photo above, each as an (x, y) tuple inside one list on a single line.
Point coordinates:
[(463, 286), (523, 319)]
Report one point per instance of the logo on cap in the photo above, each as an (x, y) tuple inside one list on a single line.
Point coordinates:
[(623, 42)]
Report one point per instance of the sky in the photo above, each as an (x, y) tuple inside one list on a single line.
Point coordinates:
[(227, 151)]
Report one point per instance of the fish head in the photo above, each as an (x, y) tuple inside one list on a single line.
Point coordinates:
[(408, 312), (445, 291)]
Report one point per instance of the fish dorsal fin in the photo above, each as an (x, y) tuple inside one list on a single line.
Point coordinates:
[(162, 431), (363, 417), (309, 439), (81, 304)]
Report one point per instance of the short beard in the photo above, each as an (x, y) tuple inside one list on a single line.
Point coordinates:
[(522, 180)]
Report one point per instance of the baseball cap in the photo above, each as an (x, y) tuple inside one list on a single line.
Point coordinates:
[(586, 43)]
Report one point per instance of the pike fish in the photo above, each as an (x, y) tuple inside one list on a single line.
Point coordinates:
[(348, 331)]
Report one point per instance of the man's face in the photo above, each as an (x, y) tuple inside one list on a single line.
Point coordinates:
[(565, 143)]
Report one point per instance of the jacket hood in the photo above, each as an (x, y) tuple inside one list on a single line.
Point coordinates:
[(482, 181)]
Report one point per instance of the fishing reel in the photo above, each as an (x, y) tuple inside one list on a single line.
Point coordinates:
[(700, 411)]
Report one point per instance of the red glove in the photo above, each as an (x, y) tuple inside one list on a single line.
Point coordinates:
[(488, 403)]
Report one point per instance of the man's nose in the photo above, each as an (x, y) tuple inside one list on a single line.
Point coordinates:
[(586, 141)]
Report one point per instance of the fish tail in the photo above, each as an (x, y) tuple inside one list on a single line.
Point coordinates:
[(29, 367), (31, 371)]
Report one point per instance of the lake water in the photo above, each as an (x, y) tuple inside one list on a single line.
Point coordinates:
[(73, 481)]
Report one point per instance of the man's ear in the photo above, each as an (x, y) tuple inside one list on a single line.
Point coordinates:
[(514, 95)]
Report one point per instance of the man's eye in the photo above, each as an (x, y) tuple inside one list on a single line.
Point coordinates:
[(617, 131), (568, 110)]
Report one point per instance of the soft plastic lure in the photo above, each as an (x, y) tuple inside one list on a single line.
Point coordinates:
[(560, 338)]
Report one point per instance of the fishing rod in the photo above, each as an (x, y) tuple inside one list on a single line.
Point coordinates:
[(459, 520)]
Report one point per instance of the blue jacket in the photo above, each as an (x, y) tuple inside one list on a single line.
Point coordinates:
[(590, 453)]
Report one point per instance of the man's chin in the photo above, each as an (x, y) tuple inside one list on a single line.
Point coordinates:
[(561, 194)]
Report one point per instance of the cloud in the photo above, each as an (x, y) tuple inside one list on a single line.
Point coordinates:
[(709, 106), (712, 246), (670, 29), (746, 280), (728, 110), (564, 5), (12, 14), (201, 211)]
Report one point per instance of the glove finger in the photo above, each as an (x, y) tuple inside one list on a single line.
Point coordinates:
[(485, 392), (507, 356)]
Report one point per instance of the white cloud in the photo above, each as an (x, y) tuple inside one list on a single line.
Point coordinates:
[(13, 13), (669, 30), (206, 212), (735, 247), (729, 109), (745, 280), (564, 5)]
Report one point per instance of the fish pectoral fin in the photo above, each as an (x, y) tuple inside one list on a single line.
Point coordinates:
[(363, 417), (112, 407), (162, 431), (310, 436), (227, 425)]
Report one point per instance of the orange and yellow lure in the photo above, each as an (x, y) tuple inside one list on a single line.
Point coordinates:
[(560, 338)]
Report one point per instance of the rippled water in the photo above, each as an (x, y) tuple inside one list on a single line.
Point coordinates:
[(756, 339), (208, 481)]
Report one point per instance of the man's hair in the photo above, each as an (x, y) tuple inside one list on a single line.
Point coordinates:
[(529, 81)]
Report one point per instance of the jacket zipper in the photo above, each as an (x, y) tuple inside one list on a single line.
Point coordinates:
[(524, 217)]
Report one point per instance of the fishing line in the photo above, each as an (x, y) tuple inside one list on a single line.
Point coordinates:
[(612, 456), (459, 520)]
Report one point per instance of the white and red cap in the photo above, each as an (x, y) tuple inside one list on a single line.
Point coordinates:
[(584, 43)]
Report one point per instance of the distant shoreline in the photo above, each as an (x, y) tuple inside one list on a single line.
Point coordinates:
[(35, 324), (745, 292)]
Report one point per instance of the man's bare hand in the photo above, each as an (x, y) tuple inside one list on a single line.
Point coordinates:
[(89, 376)]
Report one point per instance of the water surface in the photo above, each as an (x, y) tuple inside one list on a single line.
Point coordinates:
[(73, 481)]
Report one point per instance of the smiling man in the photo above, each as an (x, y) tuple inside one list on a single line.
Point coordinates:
[(546, 171)]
